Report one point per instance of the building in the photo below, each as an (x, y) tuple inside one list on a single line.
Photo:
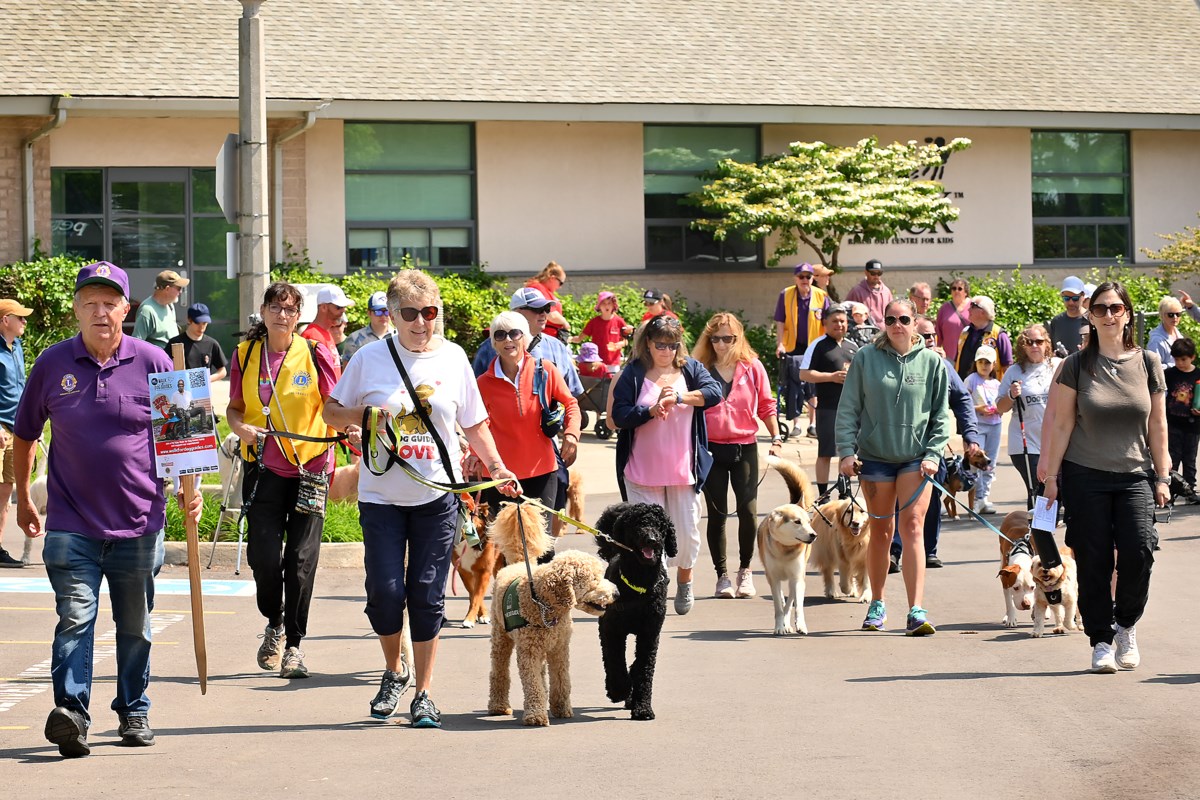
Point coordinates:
[(513, 133)]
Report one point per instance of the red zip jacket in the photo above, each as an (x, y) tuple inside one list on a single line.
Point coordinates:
[(515, 418)]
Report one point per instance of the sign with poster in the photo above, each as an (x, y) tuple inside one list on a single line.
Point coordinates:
[(181, 414)]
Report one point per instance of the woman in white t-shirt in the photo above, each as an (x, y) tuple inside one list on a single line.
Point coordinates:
[(1028, 382), (397, 513)]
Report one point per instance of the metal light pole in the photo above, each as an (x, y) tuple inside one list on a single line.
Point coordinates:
[(253, 249)]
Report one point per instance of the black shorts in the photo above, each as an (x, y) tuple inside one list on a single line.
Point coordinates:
[(826, 443)]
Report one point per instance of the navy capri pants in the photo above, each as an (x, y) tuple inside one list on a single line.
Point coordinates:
[(427, 533)]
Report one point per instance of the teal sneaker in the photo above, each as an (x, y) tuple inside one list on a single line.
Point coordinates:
[(917, 624), (424, 713), (876, 617)]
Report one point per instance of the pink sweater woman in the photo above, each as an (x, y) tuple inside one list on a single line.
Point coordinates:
[(952, 318)]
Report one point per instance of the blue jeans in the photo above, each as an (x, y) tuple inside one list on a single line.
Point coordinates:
[(75, 565), (991, 445)]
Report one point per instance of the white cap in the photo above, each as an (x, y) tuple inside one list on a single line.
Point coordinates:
[(1089, 289), (335, 295), (378, 301), (986, 353), (1071, 285)]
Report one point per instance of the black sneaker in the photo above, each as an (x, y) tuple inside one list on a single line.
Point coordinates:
[(933, 562), (67, 729), (424, 713), (893, 566), (8, 561), (391, 687), (135, 731)]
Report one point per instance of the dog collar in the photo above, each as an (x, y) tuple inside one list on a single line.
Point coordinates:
[(638, 589)]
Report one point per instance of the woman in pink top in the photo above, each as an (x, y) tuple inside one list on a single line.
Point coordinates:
[(662, 444), (952, 318), (733, 442)]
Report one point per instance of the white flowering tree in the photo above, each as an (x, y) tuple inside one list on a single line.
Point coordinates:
[(825, 196)]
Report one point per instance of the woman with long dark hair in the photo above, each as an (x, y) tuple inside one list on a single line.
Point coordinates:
[(1107, 447)]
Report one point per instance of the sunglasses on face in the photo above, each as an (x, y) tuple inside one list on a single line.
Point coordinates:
[(1174, 314), (1072, 298), (429, 313), (514, 334), (903, 319), (722, 339), (929, 337), (1108, 310), (1036, 341), (804, 276), (532, 310), (380, 312), (958, 288), (874, 272), (663, 347)]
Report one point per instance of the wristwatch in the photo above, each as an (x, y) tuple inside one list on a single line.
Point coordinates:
[(776, 440)]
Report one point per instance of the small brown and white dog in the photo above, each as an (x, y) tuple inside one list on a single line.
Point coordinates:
[(784, 537), (574, 507), (476, 565), (1016, 578), (1064, 577), (954, 481), (842, 539)]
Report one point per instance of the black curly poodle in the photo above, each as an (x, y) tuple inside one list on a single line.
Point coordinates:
[(641, 579)]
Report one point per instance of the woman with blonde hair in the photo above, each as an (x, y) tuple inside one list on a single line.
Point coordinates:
[(662, 444), (1162, 337), (1027, 384), (733, 442), (547, 283)]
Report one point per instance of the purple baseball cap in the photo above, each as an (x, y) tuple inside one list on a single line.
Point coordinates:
[(589, 353), (803, 269), (104, 274)]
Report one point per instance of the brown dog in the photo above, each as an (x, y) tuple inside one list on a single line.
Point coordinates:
[(1016, 579), (954, 481), (574, 507), (476, 565), (842, 539)]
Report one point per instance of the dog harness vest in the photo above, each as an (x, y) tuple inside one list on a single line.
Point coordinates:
[(1021, 546), (512, 607), (298, 393)]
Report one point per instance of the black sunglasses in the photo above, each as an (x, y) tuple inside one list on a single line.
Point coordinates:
[(1072, 298), (929, 336), (805, 276), (543, 310), (874, 272), (722, 339), (664, 346), (1174, 314), (428, 312), (512, 333), (1106, 310), (903, 319)]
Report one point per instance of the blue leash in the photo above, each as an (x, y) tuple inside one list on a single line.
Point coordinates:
[(949, 494)]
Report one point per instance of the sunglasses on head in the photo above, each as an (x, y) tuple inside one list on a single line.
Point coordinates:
[(722, 339), (1174, 314), (1108, 309), (512, 333), (665, 346), (1072, 298), (428, 312), (903, 319)]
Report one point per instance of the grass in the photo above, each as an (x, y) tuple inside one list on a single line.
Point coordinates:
[(341, 523)]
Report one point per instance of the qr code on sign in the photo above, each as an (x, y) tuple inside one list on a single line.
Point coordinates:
[(196, 379)]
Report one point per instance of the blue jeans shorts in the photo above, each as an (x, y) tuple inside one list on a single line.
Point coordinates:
[(886, 471)]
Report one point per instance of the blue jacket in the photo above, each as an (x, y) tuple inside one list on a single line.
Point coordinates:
[(548, 348), (629, 415), (12, 380)]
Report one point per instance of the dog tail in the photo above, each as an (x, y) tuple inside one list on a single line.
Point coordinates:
[(505, 532), (800, 488)]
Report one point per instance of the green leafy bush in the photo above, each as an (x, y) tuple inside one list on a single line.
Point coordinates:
[(46, 285)]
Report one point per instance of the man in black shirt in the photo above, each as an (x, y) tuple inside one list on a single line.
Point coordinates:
[(1065, 329), (199, 349), (824, 365)]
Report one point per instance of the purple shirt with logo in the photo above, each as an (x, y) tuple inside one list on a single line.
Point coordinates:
[(102, 480)]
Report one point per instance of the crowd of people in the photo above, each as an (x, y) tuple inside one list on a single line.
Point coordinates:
[(879, 381)]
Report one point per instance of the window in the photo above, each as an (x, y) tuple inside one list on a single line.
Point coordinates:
[(674, 159), (410, 191), (146, 220), (1080, 195)]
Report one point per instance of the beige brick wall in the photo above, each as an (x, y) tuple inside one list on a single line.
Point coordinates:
[(13, 131), (294, 211)]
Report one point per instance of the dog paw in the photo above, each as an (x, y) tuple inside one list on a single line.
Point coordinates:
[(1009, 622), (562, 713), (1036, 634), (802, 629), (618, 694), (485, 620), (784, 630), (535, 720), (499, 711), (467, 623), (642, 713), (1059, 630)]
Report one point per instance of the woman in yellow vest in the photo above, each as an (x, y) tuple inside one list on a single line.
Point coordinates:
[(798, 314), (279, 382)]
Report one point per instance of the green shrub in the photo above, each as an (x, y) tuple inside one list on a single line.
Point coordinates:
[(46, 285)]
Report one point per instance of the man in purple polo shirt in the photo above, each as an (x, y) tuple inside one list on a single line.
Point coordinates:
[(106, 509)]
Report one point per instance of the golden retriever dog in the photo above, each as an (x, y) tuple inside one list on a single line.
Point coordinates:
[(841, 545), (1064, 577), (541, 635), (505, 532), (475, 565), (783, 542), (574, 507), (1016, 577), (954, 481)]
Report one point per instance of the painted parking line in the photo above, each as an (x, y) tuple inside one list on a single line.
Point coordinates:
[(165, 586), (36, 679), (207, 612)]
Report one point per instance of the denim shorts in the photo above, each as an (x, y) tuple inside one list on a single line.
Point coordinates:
[(886, 471)]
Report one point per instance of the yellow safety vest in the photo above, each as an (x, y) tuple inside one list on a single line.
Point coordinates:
[(816, 302), (297, 395)]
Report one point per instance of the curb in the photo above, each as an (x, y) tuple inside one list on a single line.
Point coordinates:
[(334, 555)]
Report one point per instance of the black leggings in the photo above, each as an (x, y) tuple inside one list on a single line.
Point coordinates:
[(1028, 473), (736, 464)]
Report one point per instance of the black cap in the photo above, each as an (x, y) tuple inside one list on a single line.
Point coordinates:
[(875, 263)]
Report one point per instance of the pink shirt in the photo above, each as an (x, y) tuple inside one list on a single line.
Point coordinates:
[(950, 323), (662, 448), (735, 420)]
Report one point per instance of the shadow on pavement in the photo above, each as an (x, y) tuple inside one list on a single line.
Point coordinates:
[(964, 676)]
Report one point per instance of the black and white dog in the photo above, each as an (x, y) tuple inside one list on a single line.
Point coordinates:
[(641, 606)]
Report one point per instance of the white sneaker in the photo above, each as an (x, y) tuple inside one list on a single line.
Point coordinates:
[(745, 583), (684, 599), (984, 507), (724, 588), (1128, 656), (1103, 661)]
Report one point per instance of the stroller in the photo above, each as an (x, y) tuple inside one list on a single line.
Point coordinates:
[(594, 400)]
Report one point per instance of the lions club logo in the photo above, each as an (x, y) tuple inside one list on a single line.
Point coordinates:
[(68, 383), (103, 271), (302, 380)]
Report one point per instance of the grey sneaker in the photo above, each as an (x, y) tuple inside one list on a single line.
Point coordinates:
[(724, 587), (745, 583), (391, 687), (424, 713), (135, 732), (1128, 656), (684, 598), (293, 664), (269, 650)]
